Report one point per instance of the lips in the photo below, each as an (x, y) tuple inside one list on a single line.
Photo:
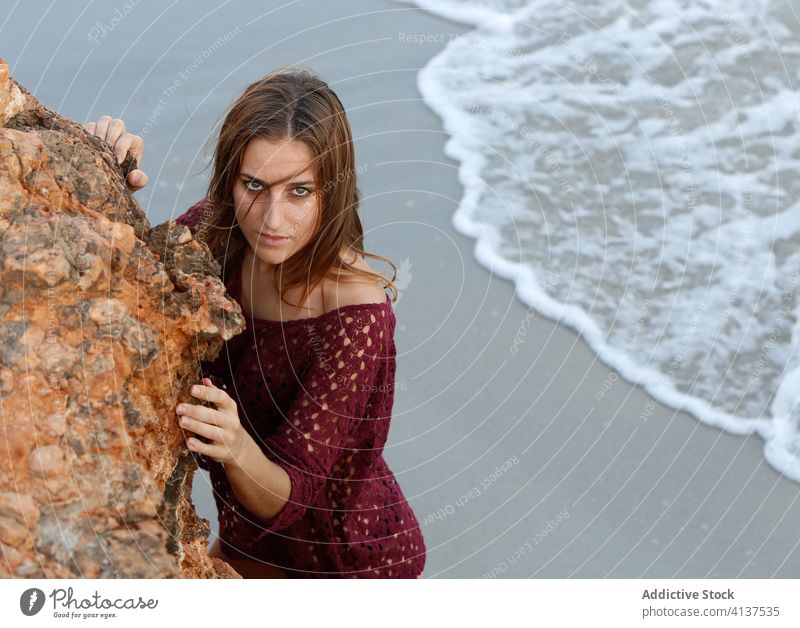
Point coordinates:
[(268, 239)]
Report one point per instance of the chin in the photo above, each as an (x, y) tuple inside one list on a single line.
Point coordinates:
[(271, 254), (268, 256)]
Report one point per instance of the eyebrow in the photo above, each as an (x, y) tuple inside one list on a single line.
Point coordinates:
[(259, 181)]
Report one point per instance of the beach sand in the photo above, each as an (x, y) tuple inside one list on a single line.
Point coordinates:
[(534, 464)]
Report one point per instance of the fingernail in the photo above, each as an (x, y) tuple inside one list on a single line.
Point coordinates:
[(181, 408), (195, 390)]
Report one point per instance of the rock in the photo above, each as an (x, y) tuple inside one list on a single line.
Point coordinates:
[(11, 98), (104, 321)]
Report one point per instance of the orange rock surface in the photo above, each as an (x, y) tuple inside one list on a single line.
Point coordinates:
[(103, 323)]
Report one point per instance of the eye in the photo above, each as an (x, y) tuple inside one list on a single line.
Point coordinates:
[(303, 195), (247, 185)]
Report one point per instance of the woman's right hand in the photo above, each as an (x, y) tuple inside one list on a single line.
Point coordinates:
[(112, 130)]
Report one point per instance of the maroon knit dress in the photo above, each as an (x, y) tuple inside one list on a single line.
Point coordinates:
[(316, 394)]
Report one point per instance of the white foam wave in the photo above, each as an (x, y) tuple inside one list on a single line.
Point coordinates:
[(633, 168)]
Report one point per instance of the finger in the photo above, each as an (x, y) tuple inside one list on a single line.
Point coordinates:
[(212, 432), (137, 148), (207, 449), (90, 126), (201, 413), (214, 395), (116, 131), (102, 127), (137, 179), (123, 145)]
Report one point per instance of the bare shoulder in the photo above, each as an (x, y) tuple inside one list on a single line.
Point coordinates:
[(353, 291)]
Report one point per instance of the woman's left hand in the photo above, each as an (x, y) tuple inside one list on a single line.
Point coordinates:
[(228, 440)]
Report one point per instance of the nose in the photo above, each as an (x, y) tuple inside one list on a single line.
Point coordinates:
[(272, 218)]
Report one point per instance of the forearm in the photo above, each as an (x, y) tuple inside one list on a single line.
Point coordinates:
[(259, 484)]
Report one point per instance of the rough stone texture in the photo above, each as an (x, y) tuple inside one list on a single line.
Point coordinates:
[(103, 322), (11, 99)]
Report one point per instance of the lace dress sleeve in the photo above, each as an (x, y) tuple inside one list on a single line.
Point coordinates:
[(346, 355)]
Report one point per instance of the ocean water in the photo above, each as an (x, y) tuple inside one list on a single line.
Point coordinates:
[(634, 168)]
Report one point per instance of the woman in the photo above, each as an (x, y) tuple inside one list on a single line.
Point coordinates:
[(301, 401)]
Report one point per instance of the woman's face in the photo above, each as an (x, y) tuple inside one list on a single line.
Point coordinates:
[(277, 179)]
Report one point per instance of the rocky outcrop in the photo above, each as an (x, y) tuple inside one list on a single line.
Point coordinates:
[(103, 323)]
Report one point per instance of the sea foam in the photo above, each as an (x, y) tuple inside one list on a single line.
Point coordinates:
[(633, 169)]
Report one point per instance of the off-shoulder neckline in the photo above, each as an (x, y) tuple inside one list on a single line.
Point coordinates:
[(342, 308), (235, 291)]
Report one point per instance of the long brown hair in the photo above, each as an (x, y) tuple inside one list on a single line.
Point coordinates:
[(292, 104)]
